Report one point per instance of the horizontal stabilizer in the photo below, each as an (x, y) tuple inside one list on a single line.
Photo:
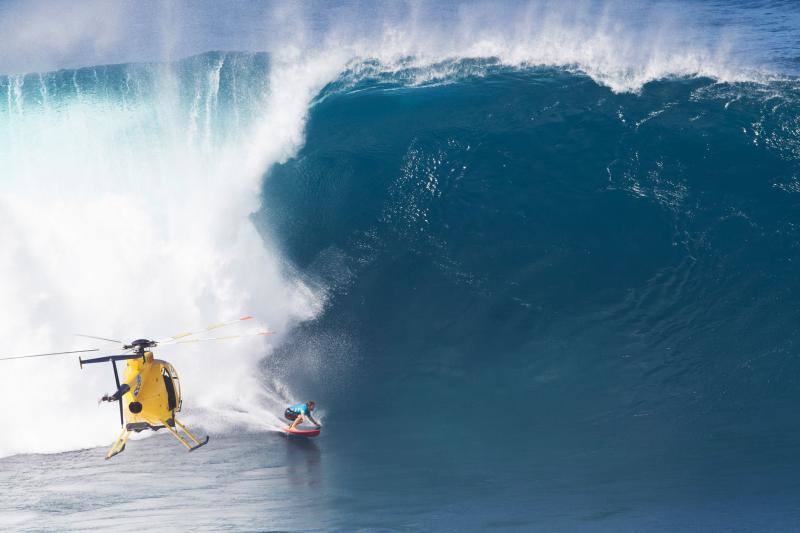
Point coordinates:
[(109, 358)]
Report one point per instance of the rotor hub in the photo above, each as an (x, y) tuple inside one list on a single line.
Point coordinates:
[(140, 345)]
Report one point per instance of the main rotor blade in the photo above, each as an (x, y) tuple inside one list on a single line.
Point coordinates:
[(187, 341), (47, 354), (206, 329), (98, 338)]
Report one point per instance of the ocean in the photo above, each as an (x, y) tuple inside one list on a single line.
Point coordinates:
[(538, 268)]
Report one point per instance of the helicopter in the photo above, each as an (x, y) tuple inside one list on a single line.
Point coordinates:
[(149, 392)]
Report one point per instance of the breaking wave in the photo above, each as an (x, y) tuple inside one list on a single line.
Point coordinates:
[(502, 178)]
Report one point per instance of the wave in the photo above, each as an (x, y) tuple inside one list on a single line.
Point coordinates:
[(129, 194), (527, 244)]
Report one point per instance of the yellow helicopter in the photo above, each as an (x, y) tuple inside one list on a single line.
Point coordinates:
[(149, 393)]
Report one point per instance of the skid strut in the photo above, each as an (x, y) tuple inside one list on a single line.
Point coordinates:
[(182, 440), (119, 444)]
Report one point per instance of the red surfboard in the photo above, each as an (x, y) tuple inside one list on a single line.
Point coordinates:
[(301, 432)]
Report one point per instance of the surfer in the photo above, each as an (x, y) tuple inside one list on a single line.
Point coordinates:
[(298, 413)]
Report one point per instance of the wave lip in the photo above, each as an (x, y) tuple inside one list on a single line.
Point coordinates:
[(619, 44)]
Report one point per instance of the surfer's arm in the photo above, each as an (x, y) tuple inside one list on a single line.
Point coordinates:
[(313, 421)]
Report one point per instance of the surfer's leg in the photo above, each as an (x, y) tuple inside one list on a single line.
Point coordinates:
[(297, 421)]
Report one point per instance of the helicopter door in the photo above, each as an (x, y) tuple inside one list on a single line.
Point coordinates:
[(171, 398)]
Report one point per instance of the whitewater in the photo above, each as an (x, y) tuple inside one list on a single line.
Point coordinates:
[(556, 218)]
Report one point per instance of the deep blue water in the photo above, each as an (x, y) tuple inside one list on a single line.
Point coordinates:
[(557, 288)]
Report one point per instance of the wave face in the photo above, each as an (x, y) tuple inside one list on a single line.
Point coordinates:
[(613, 276)]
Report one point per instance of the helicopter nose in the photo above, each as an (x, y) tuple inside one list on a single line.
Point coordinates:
[(135, 407)]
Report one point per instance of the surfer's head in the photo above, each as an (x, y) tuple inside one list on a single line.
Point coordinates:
[(311, 404)]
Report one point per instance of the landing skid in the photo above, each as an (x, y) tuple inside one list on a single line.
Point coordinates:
[(183, 440), (119, 444)]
